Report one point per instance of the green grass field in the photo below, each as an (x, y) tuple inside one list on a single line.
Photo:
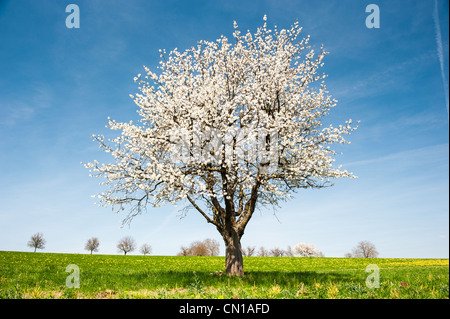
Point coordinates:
[(43, 275)]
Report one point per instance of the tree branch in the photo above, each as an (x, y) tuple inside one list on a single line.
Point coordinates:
[(249, 208), (203, 213)]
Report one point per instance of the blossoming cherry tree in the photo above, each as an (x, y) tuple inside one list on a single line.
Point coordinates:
[(225, 127)]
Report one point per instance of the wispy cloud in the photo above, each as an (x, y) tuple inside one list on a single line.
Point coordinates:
[(440, 50), (10, 115), (407, 158), (15, 109), (395, 75)]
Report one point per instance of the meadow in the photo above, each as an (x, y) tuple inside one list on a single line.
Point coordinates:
[(43, 275)]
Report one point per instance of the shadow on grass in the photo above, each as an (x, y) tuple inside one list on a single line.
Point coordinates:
[(286, 278), (252, 278), (152, 280)]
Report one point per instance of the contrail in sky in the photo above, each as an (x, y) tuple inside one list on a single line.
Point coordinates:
[(440, 50)]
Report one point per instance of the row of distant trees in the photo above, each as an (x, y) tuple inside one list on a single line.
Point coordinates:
[(364, 249), (211, 247), (125, 245), (207, 247), (300, 249)]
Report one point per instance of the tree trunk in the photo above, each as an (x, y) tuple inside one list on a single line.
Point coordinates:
[(234, 264)]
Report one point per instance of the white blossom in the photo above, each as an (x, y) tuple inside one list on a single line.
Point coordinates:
[(196, 106), (306, 250)]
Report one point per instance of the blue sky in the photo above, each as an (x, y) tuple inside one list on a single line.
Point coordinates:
[(59, 85)]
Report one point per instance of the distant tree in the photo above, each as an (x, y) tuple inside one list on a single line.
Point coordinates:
[(146, 249), (212, 247), (198, 248), (126, 245), (37, 241), (348, 255), (262, 252), (208, 247), (184, 251), (92, 244), (365, 249), (249, 251), (289, 252), (306, 250), (277, 252)]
